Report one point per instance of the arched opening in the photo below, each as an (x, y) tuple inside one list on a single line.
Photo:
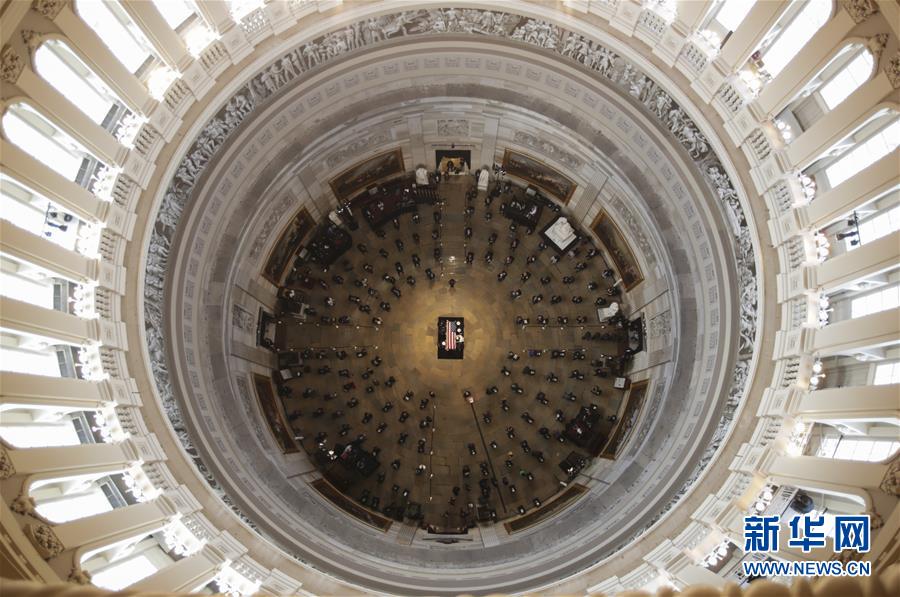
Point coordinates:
[(126, 41), (62, 68), (50, 145), (844, 74)]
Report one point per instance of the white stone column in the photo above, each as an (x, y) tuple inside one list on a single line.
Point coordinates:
[(417, 140), (18, 164), (102, 530), (859, 403), (845, 337), (185, 575), (31, 319), (866, 260), (839, 202), (167, 43), (806, 64), (64, 114), (749, 34), (489, 140), (216, 13), (70, 265), (103, 62), (838, 123), (827, 475), (70, 461), (62, 393), (739, 46), (13, 13)]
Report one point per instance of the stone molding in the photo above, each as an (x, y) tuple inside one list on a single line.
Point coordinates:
[(273, 79)]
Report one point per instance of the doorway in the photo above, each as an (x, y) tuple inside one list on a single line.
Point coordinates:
[(453, 161)]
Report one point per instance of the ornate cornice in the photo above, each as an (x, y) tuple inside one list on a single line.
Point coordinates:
[(44, 539), (892, 70), (876, 45), (49, 8), (860, 10), (24, 505), (310, 57), (891, 482), (7, 469), (11, 65), (31, 38)]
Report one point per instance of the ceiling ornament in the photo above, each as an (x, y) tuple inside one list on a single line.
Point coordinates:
[(876, 45), (892, 70), (31, 38), (44, 539), (860, 10), (11, 65), (49, 8), (7, 468), (477, 22)]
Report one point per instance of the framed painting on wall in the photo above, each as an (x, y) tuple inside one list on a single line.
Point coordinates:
[(268, 403), (539, 174), (627, 418), (356, 178), (287, 246), (618, 249)]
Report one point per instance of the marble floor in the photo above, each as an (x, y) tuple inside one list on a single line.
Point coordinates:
[(358, 395)]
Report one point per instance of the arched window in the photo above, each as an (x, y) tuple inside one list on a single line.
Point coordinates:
[(71, 498), (48, 144), (175, 12), (850, 68), (120, 34), (865, 153), (122, 573), (124, 38), (793, 31), (718, 24), (50, 357), (30, 284), (121, 566), (31, 211), (25, 429), (868, 450), (877, 225), (59, 65), (848, 79), (44, 141), (731, 13), (887, 373), (32, 355), (875, 301), (182, 17)]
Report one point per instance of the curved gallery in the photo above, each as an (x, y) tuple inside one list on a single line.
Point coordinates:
[(278, 487), (249, 448)]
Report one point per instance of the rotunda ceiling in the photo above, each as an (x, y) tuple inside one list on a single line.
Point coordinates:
[(419, 81)]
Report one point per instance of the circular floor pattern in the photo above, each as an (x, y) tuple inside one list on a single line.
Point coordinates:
[(374, 383)]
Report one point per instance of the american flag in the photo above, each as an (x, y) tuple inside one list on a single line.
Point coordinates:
[(451, 335)]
